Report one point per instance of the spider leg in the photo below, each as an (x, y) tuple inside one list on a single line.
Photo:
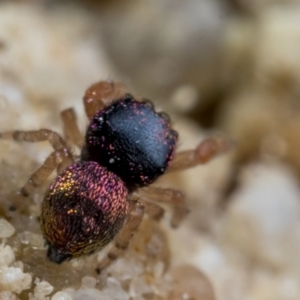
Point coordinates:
[(153, 210), (60, 158), (71, 129), (203, 153), (53, 161), (55, 140), (122, 240), (169, 196), (102, 94)]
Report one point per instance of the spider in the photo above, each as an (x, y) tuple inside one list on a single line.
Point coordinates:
[(102, 194)]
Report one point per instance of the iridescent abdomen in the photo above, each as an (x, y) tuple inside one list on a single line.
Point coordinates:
[(82, 211)]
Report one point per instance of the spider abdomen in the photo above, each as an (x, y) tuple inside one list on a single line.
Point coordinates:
[(82, 211)]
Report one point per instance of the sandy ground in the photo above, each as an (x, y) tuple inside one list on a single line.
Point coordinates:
[(217, 67)]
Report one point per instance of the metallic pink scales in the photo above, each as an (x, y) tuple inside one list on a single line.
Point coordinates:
[(83, 210)]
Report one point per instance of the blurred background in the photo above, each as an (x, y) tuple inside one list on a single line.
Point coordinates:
[(216, 66)]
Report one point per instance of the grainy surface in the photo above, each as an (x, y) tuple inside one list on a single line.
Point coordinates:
[(226, 66)]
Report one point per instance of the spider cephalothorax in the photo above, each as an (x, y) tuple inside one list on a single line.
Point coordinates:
[(130, 139)]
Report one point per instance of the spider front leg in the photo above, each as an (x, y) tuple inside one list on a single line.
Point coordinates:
[(102, 94), (55, 140), (204, 152), (60, 158), (71, 129), (168, 196), (122, 240)]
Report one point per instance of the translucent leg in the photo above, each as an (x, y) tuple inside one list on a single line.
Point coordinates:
[(52, 137), (123, 238), (43, 172), (169, 196), (153, 210), (204, 152), (60, 158), (102, 94), (71, 129)]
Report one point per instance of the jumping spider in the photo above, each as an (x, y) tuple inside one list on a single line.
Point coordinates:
[(102, 195)]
